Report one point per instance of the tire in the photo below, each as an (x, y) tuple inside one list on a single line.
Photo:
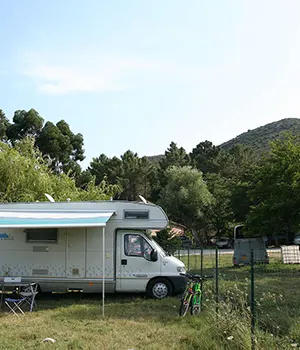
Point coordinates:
[(184, 307), (195, 310), (159, 288), (196, 305)]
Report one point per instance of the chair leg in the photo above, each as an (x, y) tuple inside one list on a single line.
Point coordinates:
[(12, 309), (18, 307)]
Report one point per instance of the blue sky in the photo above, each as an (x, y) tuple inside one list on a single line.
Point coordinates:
[(137, 74)]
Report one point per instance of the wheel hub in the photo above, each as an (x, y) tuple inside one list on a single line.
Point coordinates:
[(160, 290)]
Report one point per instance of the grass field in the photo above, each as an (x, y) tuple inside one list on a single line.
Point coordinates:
[(136, 322)]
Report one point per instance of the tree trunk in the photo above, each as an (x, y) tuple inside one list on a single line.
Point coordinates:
[(196, 237)]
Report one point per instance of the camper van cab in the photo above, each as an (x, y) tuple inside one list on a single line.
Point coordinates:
[(77, 246)]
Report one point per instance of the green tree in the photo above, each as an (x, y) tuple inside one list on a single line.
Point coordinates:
[(103, 166), (205, 157), (236, 167), (57, 142), (84, 178), (175, 156), (24, 124), (133, 175), (219, 215), (275, 190), (4, 124), (25, 177), (237, 161), (62, 147), (136, 174), (186, 197)]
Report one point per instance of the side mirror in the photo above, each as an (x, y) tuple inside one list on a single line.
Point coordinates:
[(153, 255)]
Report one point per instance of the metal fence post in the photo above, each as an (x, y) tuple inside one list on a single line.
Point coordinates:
[(252, 300), (217, 280), (201, 270), (201, 262), (188, 249)]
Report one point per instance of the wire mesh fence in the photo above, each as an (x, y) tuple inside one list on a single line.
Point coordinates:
[(257, 298)]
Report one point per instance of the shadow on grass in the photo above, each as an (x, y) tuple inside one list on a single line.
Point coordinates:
[(88, 307), (53, 301)]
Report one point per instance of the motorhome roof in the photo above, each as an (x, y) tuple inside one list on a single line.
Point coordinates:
[(93, 213)]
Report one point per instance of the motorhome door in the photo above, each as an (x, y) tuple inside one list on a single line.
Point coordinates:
[(134, 266)]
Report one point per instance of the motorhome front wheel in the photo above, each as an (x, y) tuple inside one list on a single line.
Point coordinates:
[(159, 288)]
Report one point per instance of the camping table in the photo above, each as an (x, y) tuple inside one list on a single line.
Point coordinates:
[(14, 286)]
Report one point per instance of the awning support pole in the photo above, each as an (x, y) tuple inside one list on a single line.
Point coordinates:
[(103, 273)]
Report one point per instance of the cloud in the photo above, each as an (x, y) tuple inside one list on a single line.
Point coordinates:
[(95, 73)]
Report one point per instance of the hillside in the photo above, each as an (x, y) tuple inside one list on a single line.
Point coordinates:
[(259, 138)]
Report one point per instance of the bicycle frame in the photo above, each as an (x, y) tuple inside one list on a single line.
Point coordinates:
[(188, 293), (192, 296), (197, 294)]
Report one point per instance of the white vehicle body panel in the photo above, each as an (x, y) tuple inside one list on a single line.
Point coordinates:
[(75, 260)]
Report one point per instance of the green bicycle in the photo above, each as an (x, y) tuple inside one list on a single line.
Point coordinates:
[(192, 296)]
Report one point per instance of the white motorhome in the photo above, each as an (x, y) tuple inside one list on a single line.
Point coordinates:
[(75, 246)]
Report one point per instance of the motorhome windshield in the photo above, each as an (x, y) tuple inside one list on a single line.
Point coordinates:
[(155, 244), (158, 248)]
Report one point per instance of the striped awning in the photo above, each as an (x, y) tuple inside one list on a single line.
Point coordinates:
[(54, 219)]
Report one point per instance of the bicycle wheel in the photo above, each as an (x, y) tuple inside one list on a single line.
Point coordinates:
[(184, 307), (196, 306)]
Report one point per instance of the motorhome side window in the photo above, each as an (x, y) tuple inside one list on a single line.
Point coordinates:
[(136, 245), (43, 235), (136, 214)]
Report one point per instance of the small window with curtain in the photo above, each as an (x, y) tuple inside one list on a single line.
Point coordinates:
[(42, 235), (136, 245)]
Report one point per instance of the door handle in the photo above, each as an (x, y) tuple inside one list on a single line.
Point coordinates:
[(124, 262)]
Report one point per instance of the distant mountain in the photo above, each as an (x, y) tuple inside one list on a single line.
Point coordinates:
[(156, 159), (259, 138)]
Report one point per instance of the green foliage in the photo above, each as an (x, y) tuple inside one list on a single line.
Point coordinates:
[(185, 196), (134, 175), (62, 146), (24, 124), (205, 157), (219, 214), (239, 185), (175, 156), (57, 142), (25, 177), (135, 171), (4, 124), (104, 166), (275, 190)]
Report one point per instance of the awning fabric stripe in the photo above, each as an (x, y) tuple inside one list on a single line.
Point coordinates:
[(53, 219)]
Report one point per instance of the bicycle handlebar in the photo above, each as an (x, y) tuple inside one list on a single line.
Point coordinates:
[(196, 277)]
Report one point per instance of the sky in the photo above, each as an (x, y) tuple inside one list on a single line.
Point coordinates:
[(137, 75)]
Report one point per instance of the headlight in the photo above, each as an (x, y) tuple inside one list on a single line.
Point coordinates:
[(181, 269)]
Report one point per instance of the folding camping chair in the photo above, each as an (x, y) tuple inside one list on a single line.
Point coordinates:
[(29, 293), (14, 305), (27, 297)]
